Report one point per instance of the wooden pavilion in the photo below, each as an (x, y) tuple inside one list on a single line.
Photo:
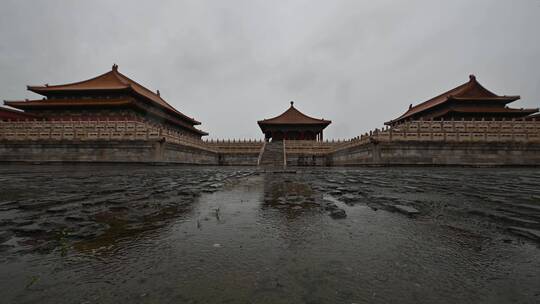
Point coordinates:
[(293, 125), (110, 96), (466, 102)]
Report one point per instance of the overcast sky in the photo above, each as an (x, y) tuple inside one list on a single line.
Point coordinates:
[(231, 63)]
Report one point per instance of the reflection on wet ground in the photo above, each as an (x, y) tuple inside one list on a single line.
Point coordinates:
[(153, 234)]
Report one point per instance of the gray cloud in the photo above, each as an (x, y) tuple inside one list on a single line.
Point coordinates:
[(230, 63)]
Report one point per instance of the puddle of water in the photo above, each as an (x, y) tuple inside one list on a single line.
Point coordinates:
[(168, 236)]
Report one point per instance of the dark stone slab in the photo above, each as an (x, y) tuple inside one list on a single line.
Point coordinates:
[(338, 214), (406, 209)]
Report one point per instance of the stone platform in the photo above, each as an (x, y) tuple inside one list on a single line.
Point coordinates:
[(464, 143)]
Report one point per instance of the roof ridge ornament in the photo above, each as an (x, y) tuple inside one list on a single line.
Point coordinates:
[(115, 67), (157, 92), (292, 103), (472, 77)]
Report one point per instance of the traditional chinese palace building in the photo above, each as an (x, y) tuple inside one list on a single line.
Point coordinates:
[(293, 125), (110, 96), (466, 102)]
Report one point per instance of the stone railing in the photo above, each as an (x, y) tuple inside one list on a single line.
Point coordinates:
[(474, 126), (311, 146), (231, 146), (425, 131), (124, 130), (452, 131)]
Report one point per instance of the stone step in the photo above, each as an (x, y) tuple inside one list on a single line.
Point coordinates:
[(272, 156)]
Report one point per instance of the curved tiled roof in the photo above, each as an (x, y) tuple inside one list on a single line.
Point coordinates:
[(471, 90), (510, 112), (9, 114), (112, 80), (66, 102), (294, 117), (493, 110)]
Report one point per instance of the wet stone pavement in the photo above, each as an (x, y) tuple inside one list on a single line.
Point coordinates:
[(174, 234)]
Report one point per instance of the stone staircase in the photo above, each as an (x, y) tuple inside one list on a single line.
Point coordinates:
[(272, 156)]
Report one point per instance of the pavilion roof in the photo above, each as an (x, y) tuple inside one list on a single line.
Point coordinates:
[(493, 110), (509, 112), (469, 91), (533, 116), (7, 113), (112, 80), (43, 103), (293, 117)]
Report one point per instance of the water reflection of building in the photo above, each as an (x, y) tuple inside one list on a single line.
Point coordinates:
[(293, 125), (110, 96), (290, 194)]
